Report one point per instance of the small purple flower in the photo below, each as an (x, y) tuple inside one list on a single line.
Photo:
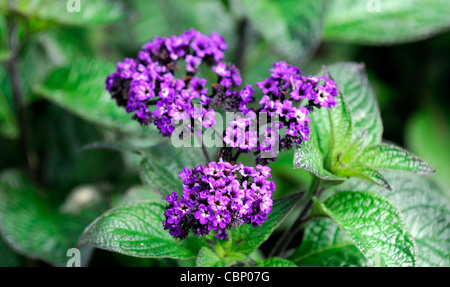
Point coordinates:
[(203, 214), (268, 86), (173, 215), (221, 70), (138, 84), (216, 197), (222, 218)]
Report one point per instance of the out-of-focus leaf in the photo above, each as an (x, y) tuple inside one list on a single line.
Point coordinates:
[(292, 27), (8, 122), (137, 230), (31, 227), (275, 262), (247, 238), (138, 193), (4, 51), (91, 13), (80, 88), (374, 225), (424, 206), (396, 22), (325, 245), (428, 135), (8, 257)]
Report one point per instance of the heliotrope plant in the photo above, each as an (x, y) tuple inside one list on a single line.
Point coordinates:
[(223, 210), (213, 197)]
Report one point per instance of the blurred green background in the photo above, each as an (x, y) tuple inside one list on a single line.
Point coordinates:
[(65, 58)]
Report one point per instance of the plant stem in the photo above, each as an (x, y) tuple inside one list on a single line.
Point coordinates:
[(289, 234), (205, 151), (30, 158), (240, 48)]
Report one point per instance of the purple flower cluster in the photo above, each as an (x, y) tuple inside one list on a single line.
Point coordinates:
[(150, 80), (284, 93), (218, 196)]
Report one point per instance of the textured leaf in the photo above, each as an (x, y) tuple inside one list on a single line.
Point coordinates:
[(337, 137), (80, 88), (158, 177), (425, 208), (136, 230), (363, 171), (275, 262), (98, 12), (353, 150), (352, 81), (386, 156), (374, 225), (30, 227), (161, 166), (325, 245), (208, 258), (308, 157), (292, 27), (341, 128), (247, 238), (397, 22)]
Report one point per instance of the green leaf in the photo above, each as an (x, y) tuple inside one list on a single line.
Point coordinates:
[(247, 238), (325, 245), (137, 230), (160, 178), (208, 258), (31, 226), (92, 13), (363, 171), (162, 164), (338, 136), (5, 53), (275, 262), (386, 156), (353, 150), (137, 145), (138, 193), (308, 157), (8, 257), (425, 207), (353, 84), (427, 135), (341, 128), (80, 88), (293, 28), (8, 122), (397, 22), (374, 226)]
